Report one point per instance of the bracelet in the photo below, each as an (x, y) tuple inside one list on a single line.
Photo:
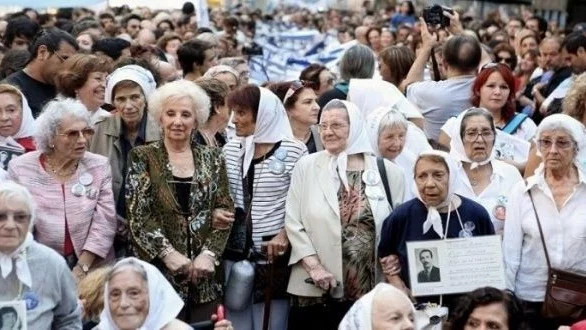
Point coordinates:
[(166, 252)]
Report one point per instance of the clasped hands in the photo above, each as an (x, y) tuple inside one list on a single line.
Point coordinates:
[(200, 268)]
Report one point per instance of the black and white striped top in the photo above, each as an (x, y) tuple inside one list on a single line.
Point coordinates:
[(269, 189)]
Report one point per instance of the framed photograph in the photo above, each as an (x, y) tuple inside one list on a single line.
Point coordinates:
[(455, 265), (8, 153), (13, 315)]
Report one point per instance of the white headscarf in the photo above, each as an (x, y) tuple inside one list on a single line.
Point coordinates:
[(18, 256), (457, 150), (27, 127), (143, 77), (357, 143), (359, 317), (272, 125), (219, 69), (433, 217), (370, 94), (373, 126), (164, 303)]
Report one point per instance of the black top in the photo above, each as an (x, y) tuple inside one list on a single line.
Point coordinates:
[(182, 190), (250, 176), (199, 139), (126, 147), (37, 93), (311, 147)]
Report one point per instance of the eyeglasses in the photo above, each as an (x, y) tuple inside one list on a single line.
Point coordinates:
[(473, 135), (59, 57), (334, 126), (73, 135), (546, 144), (506, 60)]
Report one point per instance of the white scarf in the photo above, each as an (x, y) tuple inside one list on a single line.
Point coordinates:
[(370, 94), (27, 127), (457, 150), (164, 303), (576, 130), (357, 143), (18, 256), (272, 125), (135, 73), (433, 217), (359, 317)]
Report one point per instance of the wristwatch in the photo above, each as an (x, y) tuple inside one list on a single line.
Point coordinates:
[(211, 255)]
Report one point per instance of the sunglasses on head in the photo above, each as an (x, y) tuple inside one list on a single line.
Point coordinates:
[(294, 87), (492, 65)]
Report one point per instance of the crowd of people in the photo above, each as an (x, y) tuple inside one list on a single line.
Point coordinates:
[(146, 183)]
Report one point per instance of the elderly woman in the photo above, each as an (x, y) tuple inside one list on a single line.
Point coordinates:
[(259, 166), (138, 296), (211, 133), (387, 130), (174, 189), (72, 187), (83, 77), (385, 307), (225, 74), (488, 308), (438, 210), (480, 176), (335, 207), (127, 90), (299, 99), (240, 65), (552, 199), (32, 272), (16, 124)]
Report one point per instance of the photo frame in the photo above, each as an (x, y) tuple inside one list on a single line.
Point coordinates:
[(455, 265), (15, 313)]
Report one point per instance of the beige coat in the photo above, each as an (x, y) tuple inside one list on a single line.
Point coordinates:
[(313, 217), (106, 142)]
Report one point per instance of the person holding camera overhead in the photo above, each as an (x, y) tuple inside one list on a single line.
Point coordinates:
[(460, 58)]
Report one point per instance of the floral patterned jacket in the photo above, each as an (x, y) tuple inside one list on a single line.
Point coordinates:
[(156, 221)]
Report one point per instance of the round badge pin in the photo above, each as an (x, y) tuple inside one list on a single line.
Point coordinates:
[(31, 300), (370, 177), (500, 212), (78, 190), (86, 179), (465, 233), (281, 154), (469, 226), (276, 166)]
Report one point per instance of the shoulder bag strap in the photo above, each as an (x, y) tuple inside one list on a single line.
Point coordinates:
[(514, 123), (383, 175), (540, 229)]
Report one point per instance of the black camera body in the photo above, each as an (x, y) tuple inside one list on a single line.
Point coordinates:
[(434, 16)]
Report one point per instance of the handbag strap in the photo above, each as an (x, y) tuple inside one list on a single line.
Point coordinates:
[(380, 162), (540, 229)]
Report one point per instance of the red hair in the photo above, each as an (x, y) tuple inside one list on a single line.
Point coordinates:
[(508, 110)]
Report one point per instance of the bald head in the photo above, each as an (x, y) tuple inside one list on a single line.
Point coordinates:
[(550, 50), (360, 34)]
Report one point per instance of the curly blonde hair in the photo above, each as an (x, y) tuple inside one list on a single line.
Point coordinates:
[(575, 100), (91, 290)]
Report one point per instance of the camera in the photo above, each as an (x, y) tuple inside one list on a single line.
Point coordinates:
[(434, 16), (252, 50)]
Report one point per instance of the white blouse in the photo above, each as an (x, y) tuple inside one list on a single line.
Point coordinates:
[(495, 196), (564, 230)]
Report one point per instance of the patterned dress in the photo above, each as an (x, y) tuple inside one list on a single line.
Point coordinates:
[(358, 242), (156, 220)]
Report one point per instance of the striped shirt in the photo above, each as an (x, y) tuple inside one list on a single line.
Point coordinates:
[(269, 188)]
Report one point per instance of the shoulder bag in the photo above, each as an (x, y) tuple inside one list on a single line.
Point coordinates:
[(565, 294)]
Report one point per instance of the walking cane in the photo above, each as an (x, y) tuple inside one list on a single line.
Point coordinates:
[(268, 297)]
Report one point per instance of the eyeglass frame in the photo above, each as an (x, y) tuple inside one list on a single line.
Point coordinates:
[(80, 132), (541, 144), (482, 134)]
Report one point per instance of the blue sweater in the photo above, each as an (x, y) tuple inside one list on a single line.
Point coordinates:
[(405, 224)]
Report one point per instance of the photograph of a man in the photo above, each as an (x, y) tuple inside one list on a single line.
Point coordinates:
[(430, 273)]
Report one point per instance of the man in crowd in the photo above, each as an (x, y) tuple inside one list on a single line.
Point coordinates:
[(37, 80), (196, 57)]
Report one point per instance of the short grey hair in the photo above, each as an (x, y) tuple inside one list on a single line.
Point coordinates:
[(358, 62), (209, 37), (565, 123), (52, 117), (393, 118), (10, 191), (177, 90), (219, 69)]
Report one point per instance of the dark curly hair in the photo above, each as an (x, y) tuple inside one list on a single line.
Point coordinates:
[(483, 297)]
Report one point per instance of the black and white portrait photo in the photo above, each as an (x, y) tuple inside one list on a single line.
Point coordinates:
[(428, 271)]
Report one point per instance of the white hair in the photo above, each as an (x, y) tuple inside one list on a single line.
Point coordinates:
[(219, 69), (11, 191), (393, 118), (177, 90), (563, 122), (52, 117)]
